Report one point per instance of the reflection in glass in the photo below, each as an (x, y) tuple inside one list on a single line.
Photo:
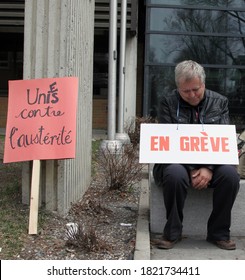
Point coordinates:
[(236, 89), (161, 80), (182, 20), (205, 50), (236, 22), (170, 2), (214, 38), (187, 20), (204, 3)]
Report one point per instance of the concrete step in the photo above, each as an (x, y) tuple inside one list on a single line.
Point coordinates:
[(197, 209), (197, 248)]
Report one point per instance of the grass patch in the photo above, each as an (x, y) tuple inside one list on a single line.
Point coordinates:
[(14, 217), (95, 149), (95, 146)]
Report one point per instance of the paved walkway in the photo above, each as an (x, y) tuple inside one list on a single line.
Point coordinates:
[(190, 248), (197, 248)]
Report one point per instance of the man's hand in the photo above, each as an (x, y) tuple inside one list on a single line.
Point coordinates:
[(200, 178)]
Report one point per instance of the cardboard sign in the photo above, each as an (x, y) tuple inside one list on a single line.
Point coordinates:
[(188, 143), (41, 121)]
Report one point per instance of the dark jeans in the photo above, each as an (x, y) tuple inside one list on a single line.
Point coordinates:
[(174, 178)]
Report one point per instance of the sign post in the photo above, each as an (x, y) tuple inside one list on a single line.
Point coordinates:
[(35, 184)]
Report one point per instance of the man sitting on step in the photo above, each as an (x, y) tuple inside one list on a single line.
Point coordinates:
[(192, 103)]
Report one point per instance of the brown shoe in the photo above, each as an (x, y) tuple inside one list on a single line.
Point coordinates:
[(163, 243), (224, 244)]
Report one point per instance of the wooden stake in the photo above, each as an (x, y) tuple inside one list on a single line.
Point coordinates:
[(35, 182)]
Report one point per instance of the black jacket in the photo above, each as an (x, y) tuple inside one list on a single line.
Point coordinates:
[(213, 109)]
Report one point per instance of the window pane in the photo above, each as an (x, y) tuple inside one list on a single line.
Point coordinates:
[(183, 20), (236, 22), (216, 80), (186, 20), (169, 2), (235, 87), (236, 3), (205, 50), (160, 81), (203, 3), (172, 49), (235, 51)]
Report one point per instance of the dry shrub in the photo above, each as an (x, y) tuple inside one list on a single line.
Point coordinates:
[(133, 128), (91, 206), (119, 168), (86, 238)]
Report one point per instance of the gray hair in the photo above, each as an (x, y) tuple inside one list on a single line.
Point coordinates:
[(188, 70)]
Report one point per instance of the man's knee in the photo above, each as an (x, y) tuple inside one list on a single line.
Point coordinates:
[(176, 171), (174, 176), (170, 173), (227, 175)]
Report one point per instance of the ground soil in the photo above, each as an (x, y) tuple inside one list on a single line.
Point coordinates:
[(105, 219), (106, 229)]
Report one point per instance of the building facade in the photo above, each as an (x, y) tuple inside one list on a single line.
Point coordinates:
[(12, 53), (11, 50)]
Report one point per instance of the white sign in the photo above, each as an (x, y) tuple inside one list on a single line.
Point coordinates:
[(188, 143)]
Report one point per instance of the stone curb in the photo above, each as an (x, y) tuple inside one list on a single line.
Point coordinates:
[(142, 246)]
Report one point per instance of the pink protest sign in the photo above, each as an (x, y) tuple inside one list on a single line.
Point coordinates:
[(41, 122)]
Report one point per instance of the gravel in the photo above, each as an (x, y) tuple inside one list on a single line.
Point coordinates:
[(105, 228)]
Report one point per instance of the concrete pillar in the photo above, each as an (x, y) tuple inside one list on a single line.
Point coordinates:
[(130, 79), (58, 42)]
